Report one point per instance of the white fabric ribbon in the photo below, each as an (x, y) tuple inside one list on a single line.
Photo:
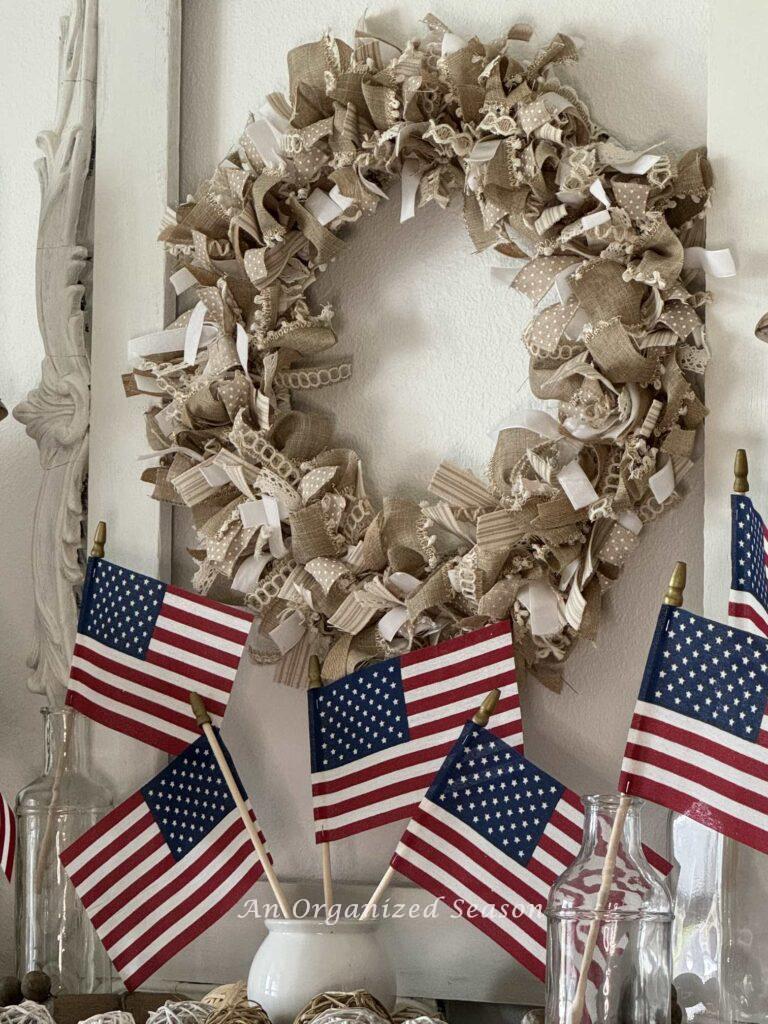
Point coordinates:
[(157, 343), (483, 151), (630, 521), (543, 605), (241, 344), (390, 623), (452, 43), (264, 512), (409, 188), (342, 201), (640, 165), (182, 280), (288, 633), (267, 141), (715, 262), (250, 571), (538, 421), (324, 206), (576, 485), (171, 450), (662, 483), (194, 333)]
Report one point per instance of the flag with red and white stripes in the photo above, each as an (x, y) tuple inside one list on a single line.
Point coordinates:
[(379, 735), (490, 837), (748, 601), (7, 838), (166, 864), (698, 743), (142, 645)]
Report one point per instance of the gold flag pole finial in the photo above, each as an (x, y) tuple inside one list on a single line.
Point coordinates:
[(315, 678), (741, 472), (487, 708), (199, 709), (99, 540), (674, 594)]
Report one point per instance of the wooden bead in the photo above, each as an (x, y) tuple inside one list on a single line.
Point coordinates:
[(36, 985), (10, 991)]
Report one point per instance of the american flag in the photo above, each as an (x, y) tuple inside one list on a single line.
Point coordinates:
[(7, 837), (378, 736), (748, 603), (164, 865), (141, 646), (489, 838), (699, 737)]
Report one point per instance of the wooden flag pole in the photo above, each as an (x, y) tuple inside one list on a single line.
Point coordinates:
[(674, 597), (481, 717), (204, 721), (741, 472), (315, 682), (97, 551)]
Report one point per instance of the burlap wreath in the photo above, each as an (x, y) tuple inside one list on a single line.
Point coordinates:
[(281, 515)]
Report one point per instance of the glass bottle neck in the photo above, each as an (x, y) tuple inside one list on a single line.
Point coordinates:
[(601, 813), (66, 741)]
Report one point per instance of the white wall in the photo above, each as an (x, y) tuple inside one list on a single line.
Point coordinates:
[(28, 83), (438, 358)]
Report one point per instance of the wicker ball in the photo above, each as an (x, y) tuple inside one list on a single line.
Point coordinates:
[(243, 1013), (186, 1012), (534, 1016), (233, 994), (110, 1017), (10, 991), (25, 1013), (358, 1007), (416, 1012), (36, 985)]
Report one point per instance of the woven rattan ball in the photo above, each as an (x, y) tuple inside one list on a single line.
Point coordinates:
[(242, 1013), (26, 1012), (416, 1012), (185, 1012), (358, 1007), (233, 994), (110, 1017)]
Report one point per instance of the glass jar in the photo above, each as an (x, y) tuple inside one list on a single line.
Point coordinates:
[(53, 933), (629, 977)]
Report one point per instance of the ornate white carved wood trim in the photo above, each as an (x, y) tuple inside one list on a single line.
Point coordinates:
[(56, 412)]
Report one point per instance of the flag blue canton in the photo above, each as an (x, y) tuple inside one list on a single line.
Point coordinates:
[(748, 555), (189, 798), (120, 607), (497, 793), (358, 715), (710, 672)]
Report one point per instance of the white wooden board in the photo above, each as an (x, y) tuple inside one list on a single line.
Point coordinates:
[(136, 176), (737, 380)]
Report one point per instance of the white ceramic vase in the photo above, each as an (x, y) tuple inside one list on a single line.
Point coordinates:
[(299, 959)]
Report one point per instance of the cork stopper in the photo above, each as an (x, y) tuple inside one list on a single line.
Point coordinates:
[(99, 540), (741, 472), (487, 708), (315, 677), (674, 594), (198, 707)]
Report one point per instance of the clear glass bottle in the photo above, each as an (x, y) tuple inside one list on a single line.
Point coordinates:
[(53, 933), (744, 965), (699, 933), (630, 972)]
